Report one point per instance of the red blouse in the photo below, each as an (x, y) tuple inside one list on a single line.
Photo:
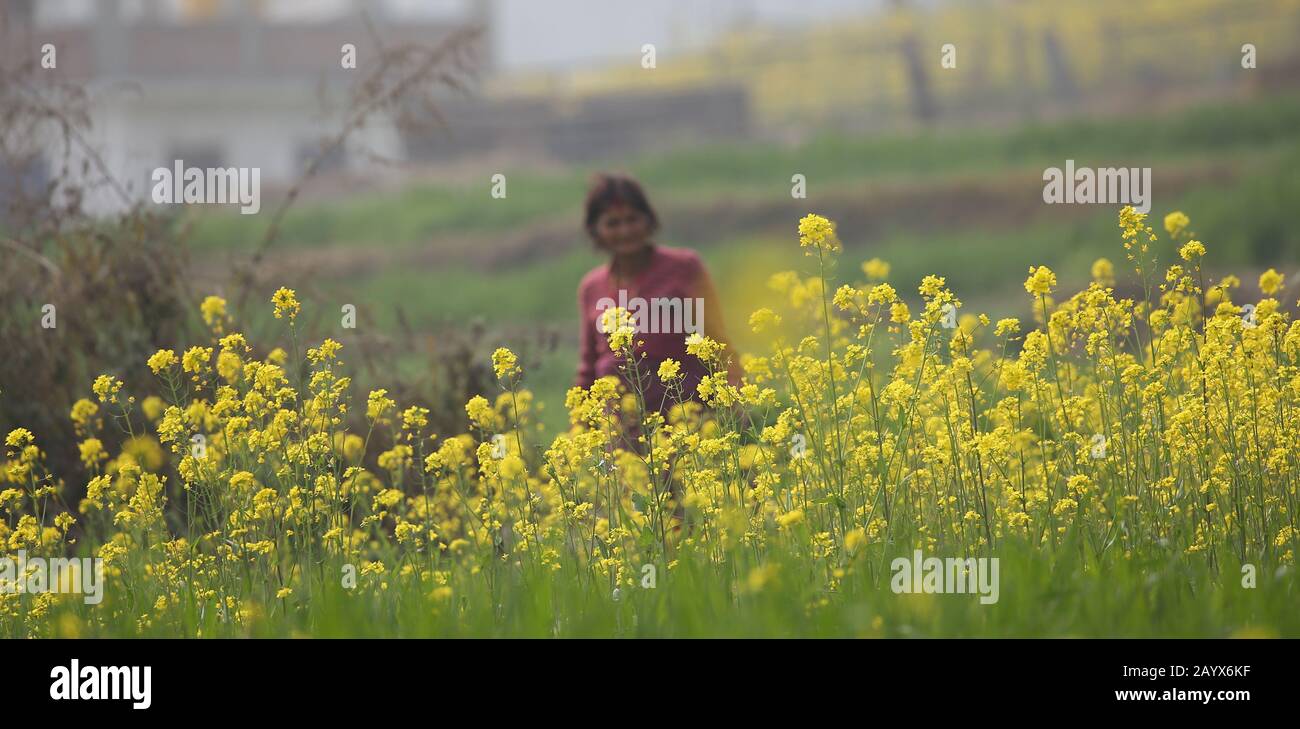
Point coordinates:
[(669, 297)]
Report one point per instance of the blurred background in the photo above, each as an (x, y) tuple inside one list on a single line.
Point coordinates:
[(376, 180)]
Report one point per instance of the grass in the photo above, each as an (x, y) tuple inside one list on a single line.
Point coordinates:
[(1042, 595)]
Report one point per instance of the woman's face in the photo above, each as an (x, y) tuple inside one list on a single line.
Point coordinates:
[(622, 229)]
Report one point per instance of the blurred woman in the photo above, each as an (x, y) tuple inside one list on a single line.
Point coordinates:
[(669, 289)]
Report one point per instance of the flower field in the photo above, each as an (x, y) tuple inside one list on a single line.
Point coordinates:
[(1131, 463)]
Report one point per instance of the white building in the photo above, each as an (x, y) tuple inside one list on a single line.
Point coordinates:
[(218, 83)]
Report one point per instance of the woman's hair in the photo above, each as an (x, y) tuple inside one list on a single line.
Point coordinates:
[(608, 189)]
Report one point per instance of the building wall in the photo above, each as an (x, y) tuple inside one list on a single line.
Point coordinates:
[(269, 127)]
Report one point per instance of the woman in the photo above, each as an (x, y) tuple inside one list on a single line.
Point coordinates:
[(669, 290)]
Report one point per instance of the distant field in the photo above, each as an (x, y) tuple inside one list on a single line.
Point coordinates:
[(419, 214)]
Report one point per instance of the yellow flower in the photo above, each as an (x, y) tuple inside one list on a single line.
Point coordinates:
[(92, 452), (1284, 536), (388, 498), (378, 404), (286, 303), (844, 299), (931, 285), (106, 388), (790, 518), (243, 483), (669, 370), (714, 390), (406, 532), (876, 269), (505, 363), (1270, 282), (228, 365), (706, 349), (1175, 223), (1192, 250), (1013, 376), (415, 418), (882, 294), (512, 466), (161, 360), (763, 320), (82, 411), (854, 540), (172, 426), (19, 438), (1103, 272), (1064, 505), (1007, 326), (1041, 281), (146, 452), (328, 350), (819, 233), (783, 281), (196, 359), (618, 324), (480, 412), (353, 448), (213, 309)]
